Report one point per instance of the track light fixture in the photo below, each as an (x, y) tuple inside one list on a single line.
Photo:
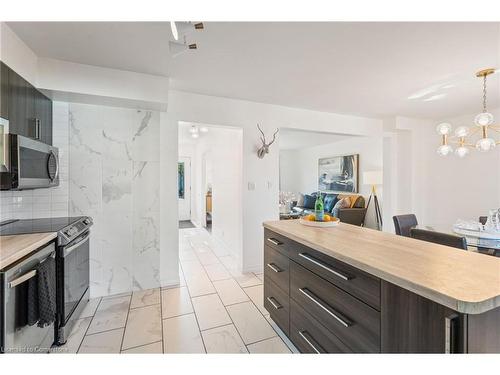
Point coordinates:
[(179, 31), (184, 28), (177, 48)]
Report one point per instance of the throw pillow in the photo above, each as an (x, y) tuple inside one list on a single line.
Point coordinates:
[(342, 203), (329, 202), (309, 201), (353, 198)]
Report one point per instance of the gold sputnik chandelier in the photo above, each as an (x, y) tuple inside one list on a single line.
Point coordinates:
[(462, 135)]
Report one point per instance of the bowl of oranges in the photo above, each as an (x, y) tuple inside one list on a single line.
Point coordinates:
[(328, 221)]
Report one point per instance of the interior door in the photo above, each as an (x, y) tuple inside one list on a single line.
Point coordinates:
[(184, 188)]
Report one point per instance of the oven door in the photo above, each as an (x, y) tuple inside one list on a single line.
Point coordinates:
[(73, 263), (34, 164)]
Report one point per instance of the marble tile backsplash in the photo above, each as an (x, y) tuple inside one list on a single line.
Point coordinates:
[(114, 177), (110, 168)]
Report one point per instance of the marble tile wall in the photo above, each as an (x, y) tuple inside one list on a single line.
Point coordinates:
[(51, 202), (114, 177)]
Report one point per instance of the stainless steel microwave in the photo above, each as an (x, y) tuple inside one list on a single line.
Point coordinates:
[(33, 164)]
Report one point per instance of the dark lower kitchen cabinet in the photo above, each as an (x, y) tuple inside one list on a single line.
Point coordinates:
[(29, 111), (326, 306), (414, 324), (4, 91)]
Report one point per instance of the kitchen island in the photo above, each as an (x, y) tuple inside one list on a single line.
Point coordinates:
[(353, 289)]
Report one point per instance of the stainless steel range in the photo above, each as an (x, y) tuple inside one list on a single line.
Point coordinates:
[(72, 264)]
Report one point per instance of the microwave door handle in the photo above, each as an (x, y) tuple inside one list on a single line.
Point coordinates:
[(56, 158), (57, 165)]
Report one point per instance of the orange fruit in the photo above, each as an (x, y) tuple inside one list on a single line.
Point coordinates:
[(326, 218)]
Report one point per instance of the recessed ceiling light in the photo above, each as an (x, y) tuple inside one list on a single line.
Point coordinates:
[(175, 33), (204, 129), (195, 135)]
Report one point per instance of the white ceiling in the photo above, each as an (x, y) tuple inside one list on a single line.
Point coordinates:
[(358, 68), (134, 46), (292, 139)]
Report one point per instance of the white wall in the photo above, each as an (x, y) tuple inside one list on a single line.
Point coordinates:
[(304, 165), (97, 85), (261, 203), (440, 190), (289, 178), (17, 55)]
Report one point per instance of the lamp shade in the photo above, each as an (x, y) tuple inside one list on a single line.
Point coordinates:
[(372, 178)]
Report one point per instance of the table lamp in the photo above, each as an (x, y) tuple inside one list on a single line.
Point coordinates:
[(374, 178)]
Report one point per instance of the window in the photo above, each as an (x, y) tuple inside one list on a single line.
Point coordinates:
[(180, 179)]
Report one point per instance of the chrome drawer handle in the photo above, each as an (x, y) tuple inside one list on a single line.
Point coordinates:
[(318, 263), (311, 296), (276, 305), (274, 268), (313, 347), (275, 241), (22, 279)]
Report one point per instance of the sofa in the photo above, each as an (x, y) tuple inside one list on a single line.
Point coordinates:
[(354, 215)]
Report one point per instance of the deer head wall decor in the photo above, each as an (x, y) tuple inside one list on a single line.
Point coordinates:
[(264, 149)]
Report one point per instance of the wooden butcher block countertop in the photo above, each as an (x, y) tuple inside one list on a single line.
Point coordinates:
[(13, 248)]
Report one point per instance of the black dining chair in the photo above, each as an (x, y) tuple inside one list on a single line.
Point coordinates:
[(403, 224), (440, 238)]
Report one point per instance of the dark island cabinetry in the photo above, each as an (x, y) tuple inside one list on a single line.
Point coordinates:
[(324, 305)]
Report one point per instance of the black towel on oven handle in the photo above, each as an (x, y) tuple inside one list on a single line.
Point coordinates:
[(31, 305), (46, 280)]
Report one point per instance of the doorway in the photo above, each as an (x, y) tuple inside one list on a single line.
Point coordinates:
[(184, 191), (216, 154)]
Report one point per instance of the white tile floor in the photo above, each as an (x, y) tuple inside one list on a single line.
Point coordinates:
[(215, 309)]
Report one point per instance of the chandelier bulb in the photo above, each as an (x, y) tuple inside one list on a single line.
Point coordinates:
[(485, 144), (444, 128), (444, 150), (483, 119), (461, 151)]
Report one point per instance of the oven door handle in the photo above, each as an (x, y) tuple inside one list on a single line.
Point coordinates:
[(83, 239), (21, 279)]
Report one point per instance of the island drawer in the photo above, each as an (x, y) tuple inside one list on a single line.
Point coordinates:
[(276, 267), (354, 281), (276, 241), (309, 336), (277, 303), (352, 321)]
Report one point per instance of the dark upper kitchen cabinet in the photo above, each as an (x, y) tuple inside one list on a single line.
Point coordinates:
[(4, 91), (18, 95), (43, 118), (30, 112)]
